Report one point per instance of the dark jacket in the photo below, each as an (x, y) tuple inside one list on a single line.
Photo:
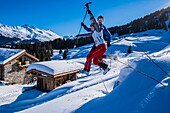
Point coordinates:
[(105, 32)]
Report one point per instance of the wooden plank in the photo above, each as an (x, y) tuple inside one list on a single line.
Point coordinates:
[(66, 73), (40, 72), (50, 82), (31, 56)]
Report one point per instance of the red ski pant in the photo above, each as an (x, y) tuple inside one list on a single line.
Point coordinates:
[(95, 55)]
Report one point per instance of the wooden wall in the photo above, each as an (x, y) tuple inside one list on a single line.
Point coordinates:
[(45, 83)]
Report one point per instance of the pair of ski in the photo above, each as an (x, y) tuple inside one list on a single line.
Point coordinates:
[(88, 74), (114, 57)]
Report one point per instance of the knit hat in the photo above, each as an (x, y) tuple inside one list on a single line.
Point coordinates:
[(100, 17)]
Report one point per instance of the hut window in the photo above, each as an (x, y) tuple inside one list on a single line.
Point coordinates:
[(12, 68)]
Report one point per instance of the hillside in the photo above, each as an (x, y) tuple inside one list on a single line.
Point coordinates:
[(96, 93), (137, 93), (157, 20)]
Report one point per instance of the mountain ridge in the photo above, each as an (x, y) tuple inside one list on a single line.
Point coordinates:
[(159, 19), (26, 32)]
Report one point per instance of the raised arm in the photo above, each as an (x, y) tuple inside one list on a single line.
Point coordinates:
[(86, 28)]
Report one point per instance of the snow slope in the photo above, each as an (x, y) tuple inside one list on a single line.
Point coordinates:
[(26, 32), (138, 94), (96, 93)]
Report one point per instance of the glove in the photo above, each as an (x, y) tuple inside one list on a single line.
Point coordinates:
[(82, 24), (89, 12), (108, 44)]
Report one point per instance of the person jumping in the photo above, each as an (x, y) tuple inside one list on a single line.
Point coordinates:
[(97, 51)]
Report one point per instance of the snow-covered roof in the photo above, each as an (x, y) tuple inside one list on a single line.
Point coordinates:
[(55, 67), (7, 54)]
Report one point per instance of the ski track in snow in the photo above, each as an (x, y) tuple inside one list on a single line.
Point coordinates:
[(145, 101)]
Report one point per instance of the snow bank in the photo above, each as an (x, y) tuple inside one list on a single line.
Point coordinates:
[(137, 94), (88, 94)]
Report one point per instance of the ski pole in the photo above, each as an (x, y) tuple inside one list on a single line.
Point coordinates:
[(83, 22), (87, 5), (80, 29), (104, 86), (92, 18), (141, 72), (155, 63)]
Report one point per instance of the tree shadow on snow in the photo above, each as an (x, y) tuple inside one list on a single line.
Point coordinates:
[(22, 102), (32, 98)]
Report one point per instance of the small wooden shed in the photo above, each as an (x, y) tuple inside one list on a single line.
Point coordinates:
[(52, 74)]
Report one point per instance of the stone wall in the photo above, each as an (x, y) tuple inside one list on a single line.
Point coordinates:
[(15, 73)]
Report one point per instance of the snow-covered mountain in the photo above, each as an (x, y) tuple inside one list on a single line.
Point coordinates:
[(69, 37), (27, 32)]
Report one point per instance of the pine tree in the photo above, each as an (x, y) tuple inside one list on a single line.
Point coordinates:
[(51, 53), (48, 55), (164, 26), (129, 49), (65, 54), (60, 51), (43, 56)]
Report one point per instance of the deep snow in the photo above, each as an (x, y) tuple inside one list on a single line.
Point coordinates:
[(95, 94)]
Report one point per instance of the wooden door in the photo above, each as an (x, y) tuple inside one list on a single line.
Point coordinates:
[(40, 83)]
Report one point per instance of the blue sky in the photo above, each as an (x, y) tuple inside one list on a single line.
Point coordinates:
[(64, 16)]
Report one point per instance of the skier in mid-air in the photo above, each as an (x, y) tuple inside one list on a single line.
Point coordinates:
[(98, 30), (99, 47)]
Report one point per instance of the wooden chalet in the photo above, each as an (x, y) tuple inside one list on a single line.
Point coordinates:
[(52, 74), (13, 63)]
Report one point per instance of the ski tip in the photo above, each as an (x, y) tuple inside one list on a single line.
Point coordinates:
[(106, 71)]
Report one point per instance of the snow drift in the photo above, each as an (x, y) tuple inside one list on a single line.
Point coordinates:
[(96, 93)]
